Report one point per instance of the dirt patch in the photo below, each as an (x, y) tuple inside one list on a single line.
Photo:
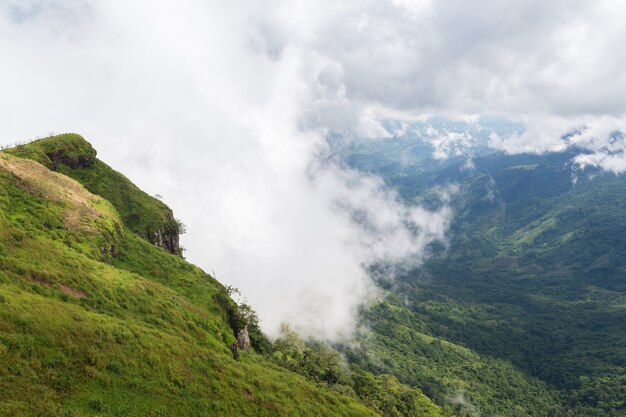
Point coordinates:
[(62, 287), (71, 291), (38, 180)]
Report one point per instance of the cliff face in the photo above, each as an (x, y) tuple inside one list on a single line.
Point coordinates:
[(72, 155), (166, 237), (73, 160)]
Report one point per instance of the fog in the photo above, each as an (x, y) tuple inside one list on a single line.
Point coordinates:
[(225, 110)]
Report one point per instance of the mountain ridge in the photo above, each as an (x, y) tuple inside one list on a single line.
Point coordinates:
[(71, 155), (96, 320)]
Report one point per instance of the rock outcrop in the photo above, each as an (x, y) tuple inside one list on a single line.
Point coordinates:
[(243, 339), (74, 161), (166, 237)]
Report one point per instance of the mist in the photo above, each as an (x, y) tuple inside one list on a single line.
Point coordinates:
[(189, 107), (225, 111)]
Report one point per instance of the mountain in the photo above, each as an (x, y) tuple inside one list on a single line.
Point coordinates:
[(523, 310), (101, 316)]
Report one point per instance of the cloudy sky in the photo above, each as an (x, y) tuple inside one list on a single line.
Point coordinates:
[(224, 109)]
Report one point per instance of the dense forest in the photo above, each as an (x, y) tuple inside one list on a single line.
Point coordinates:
[(522, 310)]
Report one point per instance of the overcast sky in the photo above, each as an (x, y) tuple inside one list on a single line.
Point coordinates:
[(224, 109)]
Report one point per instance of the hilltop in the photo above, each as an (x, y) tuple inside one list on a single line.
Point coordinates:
[(71, 155)]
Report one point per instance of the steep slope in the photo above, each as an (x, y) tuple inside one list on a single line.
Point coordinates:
[(97, 321), (146, 335)]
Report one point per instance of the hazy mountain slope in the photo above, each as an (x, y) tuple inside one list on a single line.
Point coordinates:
[(547, 254), (79, 336), (534, 274), (553, 245), (96, 321), (402, 343)]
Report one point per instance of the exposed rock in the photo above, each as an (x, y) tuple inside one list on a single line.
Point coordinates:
[(243, 339), (75, 153), (166, 237), (110, 252), (78, 161)]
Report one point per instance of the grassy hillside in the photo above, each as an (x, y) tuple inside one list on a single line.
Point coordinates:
[(95, 321), (73, 156)]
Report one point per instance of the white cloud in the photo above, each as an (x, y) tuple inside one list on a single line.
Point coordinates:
[(223, 109), (599, 140), (213, 108)]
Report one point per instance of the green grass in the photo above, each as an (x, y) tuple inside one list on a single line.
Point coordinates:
[(68, 149), (72, 155), (96, 321)]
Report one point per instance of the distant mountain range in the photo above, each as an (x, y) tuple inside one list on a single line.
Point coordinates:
[(523, 310)]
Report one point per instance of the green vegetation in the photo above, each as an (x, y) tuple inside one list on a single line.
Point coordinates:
[(68, 150), (524, 310), (320, 363), (95, 321), (521, 313), (72, 155), (462, 380)]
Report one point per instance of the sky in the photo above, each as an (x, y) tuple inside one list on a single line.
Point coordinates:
[(225, 110)]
